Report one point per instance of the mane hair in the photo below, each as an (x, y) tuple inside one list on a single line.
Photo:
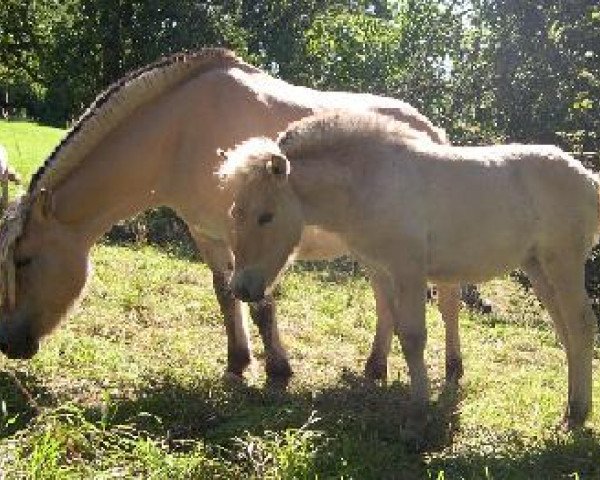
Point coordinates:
[(117, 102), (339, 128), (246, 160)]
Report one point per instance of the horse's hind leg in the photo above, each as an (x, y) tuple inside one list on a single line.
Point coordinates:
[(277, 364), (376, 366), (564, 274), (545, 293), (449, 306)]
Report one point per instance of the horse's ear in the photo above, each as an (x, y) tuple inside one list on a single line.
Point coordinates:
[(43, 205), (278, 165)]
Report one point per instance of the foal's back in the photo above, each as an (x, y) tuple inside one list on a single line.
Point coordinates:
[(497, 205)]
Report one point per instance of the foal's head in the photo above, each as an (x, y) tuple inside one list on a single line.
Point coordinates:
[(266, 215), (43, 267)]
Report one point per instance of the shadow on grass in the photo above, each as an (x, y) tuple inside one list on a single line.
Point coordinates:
[(574, 456), (20, 397), (362, 427)]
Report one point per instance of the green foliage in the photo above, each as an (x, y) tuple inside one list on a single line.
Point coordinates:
[(486, 70)]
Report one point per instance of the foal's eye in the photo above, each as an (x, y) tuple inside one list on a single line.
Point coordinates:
[(265, 218), (22, 262)]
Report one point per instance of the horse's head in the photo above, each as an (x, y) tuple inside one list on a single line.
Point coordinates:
[(266, 216), (44, 268)]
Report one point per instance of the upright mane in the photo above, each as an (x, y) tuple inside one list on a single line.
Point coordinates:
[(343, 128), (117, 102), (312, 134)]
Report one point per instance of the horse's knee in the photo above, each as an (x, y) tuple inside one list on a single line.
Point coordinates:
[(223, 293), (590, 322), (263, 315), (413, 343)]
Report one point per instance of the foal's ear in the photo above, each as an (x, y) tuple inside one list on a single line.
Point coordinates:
[(278, 165), (43, 205)]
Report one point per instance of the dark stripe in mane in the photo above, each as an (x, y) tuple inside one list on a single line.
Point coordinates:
[(107, 94)]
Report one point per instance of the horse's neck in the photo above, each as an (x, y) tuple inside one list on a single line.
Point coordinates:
[(120, 177), (165, 154), (324, 191)]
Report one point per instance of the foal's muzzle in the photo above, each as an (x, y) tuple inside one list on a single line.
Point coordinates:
[(248, 286)]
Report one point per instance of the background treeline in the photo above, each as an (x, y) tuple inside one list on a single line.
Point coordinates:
[(486, 70)]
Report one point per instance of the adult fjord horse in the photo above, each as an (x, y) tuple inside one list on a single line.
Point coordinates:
[(148, 140), (411, 209)]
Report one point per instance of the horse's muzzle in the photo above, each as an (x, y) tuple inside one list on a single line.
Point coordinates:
[(18, 345)]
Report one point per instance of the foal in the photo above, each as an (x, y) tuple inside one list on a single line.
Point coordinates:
[(413, 210)]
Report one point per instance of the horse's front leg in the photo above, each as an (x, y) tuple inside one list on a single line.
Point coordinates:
[(239, 355), (218, 257), (277, 364)]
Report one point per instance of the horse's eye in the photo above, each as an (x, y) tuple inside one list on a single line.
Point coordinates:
[(22, 262), (265, 218)]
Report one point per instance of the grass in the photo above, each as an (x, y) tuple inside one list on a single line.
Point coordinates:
[(129, 386)]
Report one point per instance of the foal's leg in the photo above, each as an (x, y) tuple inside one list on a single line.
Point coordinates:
[(565, 274), (545, 293), (406, 295), (277, 364), (449, 306), (218, 257), (376, 366)]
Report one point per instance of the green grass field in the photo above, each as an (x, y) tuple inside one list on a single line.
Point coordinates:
[(130, 385)]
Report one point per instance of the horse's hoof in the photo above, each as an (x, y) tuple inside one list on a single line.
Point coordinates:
[(573, 419), (231, 378), (279, 373), (376, 369)]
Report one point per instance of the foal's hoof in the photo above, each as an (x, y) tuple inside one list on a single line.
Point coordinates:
[(279, 373), (376, 369)]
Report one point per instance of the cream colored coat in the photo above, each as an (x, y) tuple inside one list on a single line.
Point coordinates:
[(414, 210)]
